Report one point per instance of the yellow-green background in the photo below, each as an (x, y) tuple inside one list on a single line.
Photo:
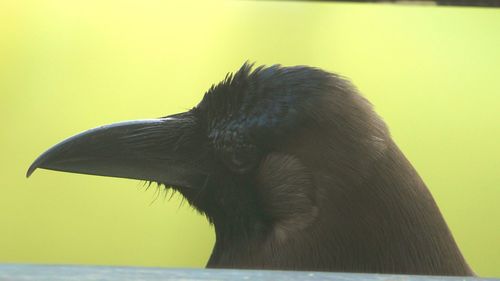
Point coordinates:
[(433, 73)]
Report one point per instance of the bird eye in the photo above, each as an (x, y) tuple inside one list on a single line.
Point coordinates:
[(241, 160)]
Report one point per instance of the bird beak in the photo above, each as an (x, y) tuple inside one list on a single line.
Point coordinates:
[(162, 150)]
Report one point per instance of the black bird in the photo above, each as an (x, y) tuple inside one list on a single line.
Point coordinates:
[(292, 167)]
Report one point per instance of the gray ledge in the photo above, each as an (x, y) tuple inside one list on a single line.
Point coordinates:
[(17, 272)]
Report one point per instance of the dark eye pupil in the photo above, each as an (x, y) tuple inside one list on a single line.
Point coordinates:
[(241, 160)]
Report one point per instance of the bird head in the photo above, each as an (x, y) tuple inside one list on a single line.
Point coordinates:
[(252, 155)]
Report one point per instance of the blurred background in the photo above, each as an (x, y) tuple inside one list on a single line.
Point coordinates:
[(66, 66)]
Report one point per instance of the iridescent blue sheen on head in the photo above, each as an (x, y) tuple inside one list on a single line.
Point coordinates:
[(257, 107)]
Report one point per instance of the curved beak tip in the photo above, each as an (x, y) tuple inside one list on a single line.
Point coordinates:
[(31, 169), (35, 165)]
